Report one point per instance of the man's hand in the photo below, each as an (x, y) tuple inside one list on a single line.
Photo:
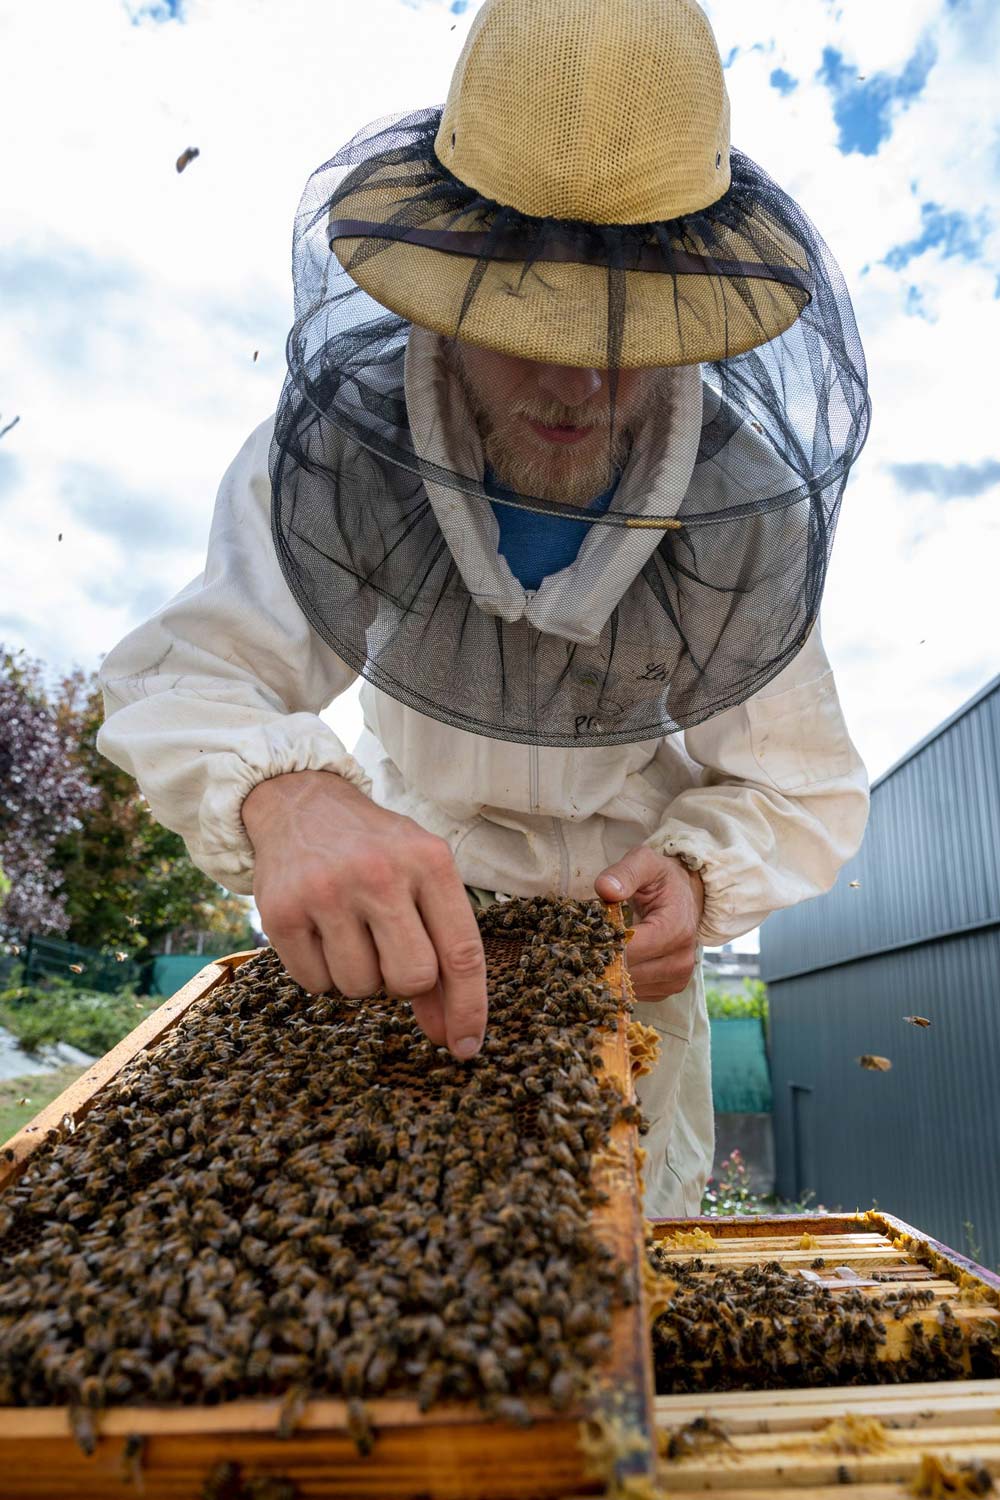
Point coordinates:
[(669, 899), (358, 897)]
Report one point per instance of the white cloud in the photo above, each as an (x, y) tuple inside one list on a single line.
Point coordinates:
[(133, 297)]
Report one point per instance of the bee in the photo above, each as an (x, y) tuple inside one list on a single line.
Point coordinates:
[(917, 1020), (874, 1063), (121, 958), (76, 968), (186, 157), (694, 1436), (359, 1426), (854, 885), (255, 354)]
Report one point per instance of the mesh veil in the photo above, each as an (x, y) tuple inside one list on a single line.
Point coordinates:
[(732, 408)]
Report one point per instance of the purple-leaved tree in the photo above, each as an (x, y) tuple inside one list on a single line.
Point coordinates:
[(42, 795)]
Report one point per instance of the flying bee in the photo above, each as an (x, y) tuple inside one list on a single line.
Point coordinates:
[(917, 1020), (187, 156), (873, 1063)]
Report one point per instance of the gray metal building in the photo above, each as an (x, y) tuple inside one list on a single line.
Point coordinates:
[(918, 934)]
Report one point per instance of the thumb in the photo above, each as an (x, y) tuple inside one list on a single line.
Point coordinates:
[(622, 879)]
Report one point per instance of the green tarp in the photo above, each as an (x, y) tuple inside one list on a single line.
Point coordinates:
[(741, 1079), (172, 970)]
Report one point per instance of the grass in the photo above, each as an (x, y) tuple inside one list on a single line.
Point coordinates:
[(22, 1098), (59, 1013)]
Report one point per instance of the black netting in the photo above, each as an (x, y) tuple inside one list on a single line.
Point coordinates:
[(713, 370)]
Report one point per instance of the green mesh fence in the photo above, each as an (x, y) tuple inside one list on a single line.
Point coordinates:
[(172, 970), (741, 1078)]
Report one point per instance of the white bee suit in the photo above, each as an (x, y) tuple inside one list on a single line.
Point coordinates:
[(224, 686)]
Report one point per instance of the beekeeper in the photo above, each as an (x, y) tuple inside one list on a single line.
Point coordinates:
[(573, 393)]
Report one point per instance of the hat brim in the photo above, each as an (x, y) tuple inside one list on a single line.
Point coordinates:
[(558, 312)]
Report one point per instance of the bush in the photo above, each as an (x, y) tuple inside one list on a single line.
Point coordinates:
[(730, 1193), (750, 1003), (39, 1016)]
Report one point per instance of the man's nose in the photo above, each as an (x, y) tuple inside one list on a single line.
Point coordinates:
[(568, 384)]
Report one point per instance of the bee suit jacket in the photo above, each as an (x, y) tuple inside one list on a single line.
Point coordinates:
[(223, 688)]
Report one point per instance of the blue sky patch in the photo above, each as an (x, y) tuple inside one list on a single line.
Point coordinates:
[(947, 481), (953, 233), (783, 82), (863, 105), (156, 10), (916, 306), (459, 7)]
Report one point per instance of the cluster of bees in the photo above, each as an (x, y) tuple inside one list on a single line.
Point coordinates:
[(764, 1328), (295, 1194)]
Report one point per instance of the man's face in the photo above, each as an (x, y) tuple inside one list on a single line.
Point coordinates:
[(545, 428)]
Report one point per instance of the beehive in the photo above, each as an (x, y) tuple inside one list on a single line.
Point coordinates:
[(449, 1450), (888, 1436)]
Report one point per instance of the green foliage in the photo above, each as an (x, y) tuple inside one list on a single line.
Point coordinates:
[(59, 1012), (750, 1003), (128, 881), (973, 1248)]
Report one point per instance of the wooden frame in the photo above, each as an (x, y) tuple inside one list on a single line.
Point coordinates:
[(811, 1442), (451, 1453)]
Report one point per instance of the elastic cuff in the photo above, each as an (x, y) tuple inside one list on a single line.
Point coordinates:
[(224, 849), (695, 849)]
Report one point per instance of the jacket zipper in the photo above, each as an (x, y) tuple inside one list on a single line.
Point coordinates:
[(563, 856), (535, 800)]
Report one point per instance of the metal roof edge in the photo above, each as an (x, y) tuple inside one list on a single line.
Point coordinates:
[(984, 692)]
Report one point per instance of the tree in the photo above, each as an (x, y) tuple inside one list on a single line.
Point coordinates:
[(129, 882), (43, 795)]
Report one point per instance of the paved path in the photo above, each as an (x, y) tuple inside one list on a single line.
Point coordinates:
[(16, 1063)]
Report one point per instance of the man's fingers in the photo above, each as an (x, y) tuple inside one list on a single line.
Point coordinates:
[(428, 1012), (655, 936), (351, 956), (454, 931), (302, 955), (620, 881), (405, 953), (657, 981)]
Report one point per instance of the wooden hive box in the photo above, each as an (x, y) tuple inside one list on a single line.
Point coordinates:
[(450, 1453), (936, 1438)]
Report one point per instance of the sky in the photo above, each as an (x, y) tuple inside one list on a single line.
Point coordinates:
[(133, 298)]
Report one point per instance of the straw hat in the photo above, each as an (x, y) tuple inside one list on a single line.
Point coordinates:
[(565, 114)]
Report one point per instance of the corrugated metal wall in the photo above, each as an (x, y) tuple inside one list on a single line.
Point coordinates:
[(920, 935)]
